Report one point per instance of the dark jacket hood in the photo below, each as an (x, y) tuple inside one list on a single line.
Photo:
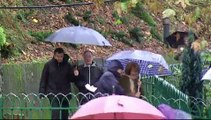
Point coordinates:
[(65, 59), (113, 66)]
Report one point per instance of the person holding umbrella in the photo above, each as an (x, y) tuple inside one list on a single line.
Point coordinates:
[(109, 81), (132, 81), (87, 74), (55, 81)]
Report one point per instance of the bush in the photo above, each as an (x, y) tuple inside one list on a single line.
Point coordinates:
[(2, 37), (100, 20), (140, 12), (71, 19), (40, 36), (87, 15), (122, 36), (7, 50), (23, 15), (136, 34), (155, 33)]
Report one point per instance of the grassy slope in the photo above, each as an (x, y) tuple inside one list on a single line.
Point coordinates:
[(19, 23)]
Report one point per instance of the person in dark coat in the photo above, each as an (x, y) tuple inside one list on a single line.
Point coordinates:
[(56, 79), (109, 81), (87, 73)]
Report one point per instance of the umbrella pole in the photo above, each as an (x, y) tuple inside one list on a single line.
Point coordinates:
[(139, 80), (89, 79)]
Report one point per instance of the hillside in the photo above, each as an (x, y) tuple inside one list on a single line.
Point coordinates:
[(26, 29)]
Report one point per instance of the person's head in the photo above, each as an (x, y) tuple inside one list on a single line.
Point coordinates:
[(88, 57), (58, 55), (132, 69), (116, 68)]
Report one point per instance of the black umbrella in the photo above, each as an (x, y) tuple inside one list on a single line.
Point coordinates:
[(178, 38)]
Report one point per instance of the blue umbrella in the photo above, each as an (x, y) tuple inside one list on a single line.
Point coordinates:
[(78, 35), (150, 63)]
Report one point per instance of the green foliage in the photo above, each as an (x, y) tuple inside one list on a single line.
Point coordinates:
[(117, 18), (122, 36), (100, 20), (2, 37), (120, 20), (68, 1), (50, 0), (87, 15), (115, 15), (127, 41), (191, 74), (71, 19), (168, 13), (8, 50), (140, 12), (118, 35), (125, 20), (136, 34), (104, 33), (29, 2), (197, 13), (23, 15), (40, 36), (206, 56), (155, 33)]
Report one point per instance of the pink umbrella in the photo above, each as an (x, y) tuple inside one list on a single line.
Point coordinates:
[(117, 107)]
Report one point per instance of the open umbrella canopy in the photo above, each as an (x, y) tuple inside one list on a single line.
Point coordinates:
[(207, 75), (178, 38), (149, 63), (117, 107), (78, 35)]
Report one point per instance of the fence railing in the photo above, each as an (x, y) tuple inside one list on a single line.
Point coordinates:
[(30, 106), (156, 91)]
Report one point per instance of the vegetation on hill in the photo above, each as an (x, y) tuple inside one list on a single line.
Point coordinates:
[(139, 27)]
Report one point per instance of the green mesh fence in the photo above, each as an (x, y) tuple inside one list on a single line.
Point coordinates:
[(157, 90)]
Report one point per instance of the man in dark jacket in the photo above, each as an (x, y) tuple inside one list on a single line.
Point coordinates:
[(87, 73), (109, 81), (56, 79)]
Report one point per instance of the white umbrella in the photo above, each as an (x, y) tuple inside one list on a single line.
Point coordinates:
[(78, 35), (207, 75)]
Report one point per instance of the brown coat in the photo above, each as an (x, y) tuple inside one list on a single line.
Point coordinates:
[(126, 85)]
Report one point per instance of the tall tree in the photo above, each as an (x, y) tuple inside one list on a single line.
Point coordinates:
[(191, 75)]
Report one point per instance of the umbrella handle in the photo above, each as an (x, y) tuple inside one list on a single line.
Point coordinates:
[(139, 83), (113, 89), (139, 88)]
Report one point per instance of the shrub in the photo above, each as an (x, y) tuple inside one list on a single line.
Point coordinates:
[(2, 37), (87, 15), (71, 19), (40, 36), (136, 34)]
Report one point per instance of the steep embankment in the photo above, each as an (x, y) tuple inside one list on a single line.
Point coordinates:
[(27, 28)]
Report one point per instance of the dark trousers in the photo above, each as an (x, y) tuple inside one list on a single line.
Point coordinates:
[(57, 103)]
